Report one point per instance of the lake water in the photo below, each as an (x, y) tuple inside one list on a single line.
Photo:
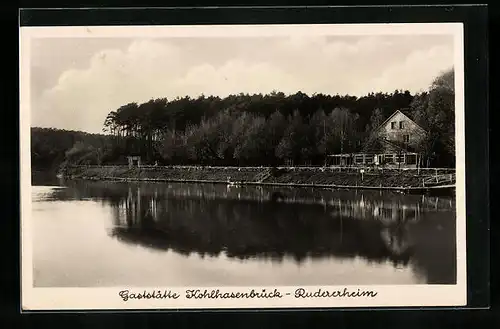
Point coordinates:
[(103, 234)]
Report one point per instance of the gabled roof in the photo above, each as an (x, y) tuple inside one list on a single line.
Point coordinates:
[(404, 113), (383, 143), (406, 148)]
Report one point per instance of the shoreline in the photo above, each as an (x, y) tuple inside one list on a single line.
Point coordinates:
[(257, 176)]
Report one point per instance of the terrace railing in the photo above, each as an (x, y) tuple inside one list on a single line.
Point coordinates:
[(439, 179)]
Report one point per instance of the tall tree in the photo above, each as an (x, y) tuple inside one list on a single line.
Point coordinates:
[(293, 144), (372, 140), (435, 111), (344, 126), (250, 148)]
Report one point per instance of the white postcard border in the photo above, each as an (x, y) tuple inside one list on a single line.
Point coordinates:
[(109, 298)]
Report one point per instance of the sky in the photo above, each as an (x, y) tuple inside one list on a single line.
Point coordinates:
[(76, 82)]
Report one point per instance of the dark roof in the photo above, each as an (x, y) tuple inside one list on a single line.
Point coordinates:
[(372, 147), (404, 148)]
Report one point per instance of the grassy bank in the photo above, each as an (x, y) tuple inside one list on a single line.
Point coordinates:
[(322, 177)]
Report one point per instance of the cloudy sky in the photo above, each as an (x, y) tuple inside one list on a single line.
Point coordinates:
[(76, 82)]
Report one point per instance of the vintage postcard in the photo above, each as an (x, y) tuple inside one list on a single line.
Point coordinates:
[(246, 166)]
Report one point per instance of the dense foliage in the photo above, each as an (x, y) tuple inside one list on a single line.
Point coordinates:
[(254, 129), (52, 147)]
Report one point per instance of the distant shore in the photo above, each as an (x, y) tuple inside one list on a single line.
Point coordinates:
[(321, 177)]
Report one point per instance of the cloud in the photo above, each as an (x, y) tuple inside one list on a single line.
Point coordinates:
[(83, 96), (234, 77), (416, 72)]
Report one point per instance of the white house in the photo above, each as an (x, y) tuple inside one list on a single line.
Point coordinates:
[(397, 140)]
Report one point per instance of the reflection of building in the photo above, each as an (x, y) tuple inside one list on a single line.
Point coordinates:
[(180, 219), (394, 216), (384, 211), (361, 205), (208, 220), (211, 220), (396, 239), (134, 207), (357, 205)]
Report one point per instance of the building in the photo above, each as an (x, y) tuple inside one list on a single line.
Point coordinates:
[(134, 160), (393, 144), (399, 132)]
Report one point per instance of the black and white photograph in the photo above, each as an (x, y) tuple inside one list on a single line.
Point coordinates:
[(242, 166)]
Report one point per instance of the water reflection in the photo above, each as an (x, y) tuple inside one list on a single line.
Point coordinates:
[(274, 224)]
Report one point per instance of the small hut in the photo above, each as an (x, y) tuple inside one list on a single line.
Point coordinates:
[(134, 160)]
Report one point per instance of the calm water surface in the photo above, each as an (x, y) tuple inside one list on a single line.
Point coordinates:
[(90, 234)]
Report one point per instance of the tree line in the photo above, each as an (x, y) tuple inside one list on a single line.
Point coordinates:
[(52, 147), (257, 129)]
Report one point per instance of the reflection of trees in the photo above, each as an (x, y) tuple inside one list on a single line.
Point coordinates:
[(394, 216), (107, 192), (252, 222), (243, 229), (435, 255), (361, 201)]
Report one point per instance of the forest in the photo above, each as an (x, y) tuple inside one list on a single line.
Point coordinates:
[(252, 129)]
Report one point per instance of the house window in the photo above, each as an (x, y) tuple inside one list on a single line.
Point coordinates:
[(411, 159), (393, 125), (401, 124), (406, 138)]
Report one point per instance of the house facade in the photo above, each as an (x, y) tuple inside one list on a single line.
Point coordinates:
[(399, 132), (397, 140)]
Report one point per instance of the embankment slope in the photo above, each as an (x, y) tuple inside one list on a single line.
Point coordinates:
[(255, 175)]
